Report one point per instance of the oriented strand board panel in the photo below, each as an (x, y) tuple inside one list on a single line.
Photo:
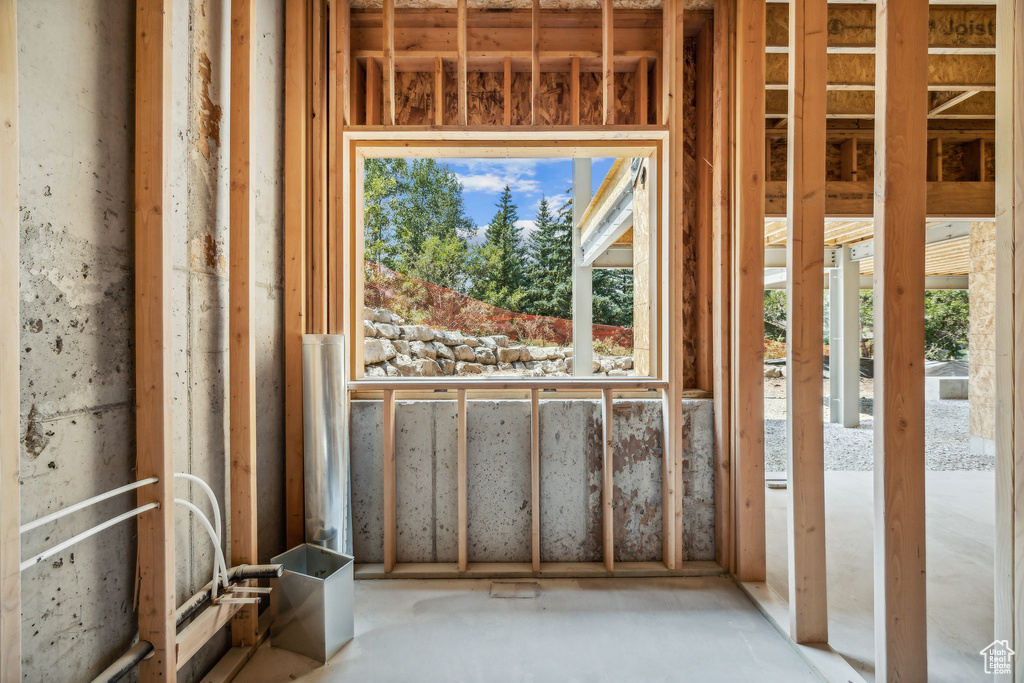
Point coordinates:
[(590, 99), (414, 98), (554, 99), (485, 98)]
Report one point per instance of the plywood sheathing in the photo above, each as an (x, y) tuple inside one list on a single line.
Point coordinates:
[(689, 292)]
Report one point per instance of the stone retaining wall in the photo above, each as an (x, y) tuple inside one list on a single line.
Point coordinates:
[(393, 349)]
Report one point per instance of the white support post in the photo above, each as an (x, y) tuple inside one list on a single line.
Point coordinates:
[(582, 277), (844, 340)]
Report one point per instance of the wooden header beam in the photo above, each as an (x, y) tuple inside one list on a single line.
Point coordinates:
[(153, 321), (10, 353)]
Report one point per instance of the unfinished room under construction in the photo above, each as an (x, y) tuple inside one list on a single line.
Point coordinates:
[(511, 340)]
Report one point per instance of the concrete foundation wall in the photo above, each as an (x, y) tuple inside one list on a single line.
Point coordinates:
[(76, 90), (982, 292), (498, 443)]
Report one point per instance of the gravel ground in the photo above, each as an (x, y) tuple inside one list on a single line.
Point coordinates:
[(946, 433)]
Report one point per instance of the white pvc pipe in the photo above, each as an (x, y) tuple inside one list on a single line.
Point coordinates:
[(86, 534), (209, 494), (86, 503), (213, 537)]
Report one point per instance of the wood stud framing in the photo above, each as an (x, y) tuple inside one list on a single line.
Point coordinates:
[(1009, 370), (242, 317), (10, 353), (462, 75), (704, 85), (535, 63), (535, 478), (808, 606), (153, 360), (463, 481), (390, 480), (722, 149), (607, 61), (607, 481), (748, 281), (389, 62), (673, 360), (900, 170), (295, 213)]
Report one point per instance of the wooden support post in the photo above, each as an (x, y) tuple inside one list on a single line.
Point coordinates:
[(607, 482), (438, 91), (462, 482), (10, 353), (901, 109), (704, 84), (506, 88), (748, 300), (805, 190), (935, 160), (722, 150), (462, 30), (340, 105), (373, 94), (535, 477), (607, 62), (295, 182), (154, 379), (389, 62), (1009, 322), (574, 91), (535, 64), (390, 480), (848, 160), (317, 160), (241, 318), (641, 91), (677, 361)]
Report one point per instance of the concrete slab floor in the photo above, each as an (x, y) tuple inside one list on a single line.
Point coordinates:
[(960, 528), (661, 629)]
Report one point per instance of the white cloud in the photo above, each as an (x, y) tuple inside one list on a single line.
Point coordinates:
[(526, 226), (492, 183)]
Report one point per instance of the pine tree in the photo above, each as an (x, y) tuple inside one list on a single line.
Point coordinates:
[(499, 264), (549, 274)]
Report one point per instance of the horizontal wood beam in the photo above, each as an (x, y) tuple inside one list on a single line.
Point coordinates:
[(848, 199)]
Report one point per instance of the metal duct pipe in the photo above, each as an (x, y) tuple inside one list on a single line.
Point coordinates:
[(242, 572), (325, 442), (125, 663)]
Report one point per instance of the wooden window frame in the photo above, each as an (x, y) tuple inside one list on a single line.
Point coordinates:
[(358, 145)]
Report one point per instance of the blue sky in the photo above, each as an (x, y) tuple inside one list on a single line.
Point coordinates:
[(529, 179)]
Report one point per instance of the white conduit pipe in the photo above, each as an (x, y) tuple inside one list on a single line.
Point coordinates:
[(28, 526), (219, 560), (213, 500), (86, 534)]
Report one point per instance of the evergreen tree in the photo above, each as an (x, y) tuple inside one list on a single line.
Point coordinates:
[(613, 296), (499, 264), (549, 273)]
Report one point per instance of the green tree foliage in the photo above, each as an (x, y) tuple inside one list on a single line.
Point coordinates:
[(416, 221), (549, 271), (946, 323), (499, 265), (613, 296), (775, 314)]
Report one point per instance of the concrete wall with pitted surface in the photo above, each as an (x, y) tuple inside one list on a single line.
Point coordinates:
[(76, 100), (498, 458)]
